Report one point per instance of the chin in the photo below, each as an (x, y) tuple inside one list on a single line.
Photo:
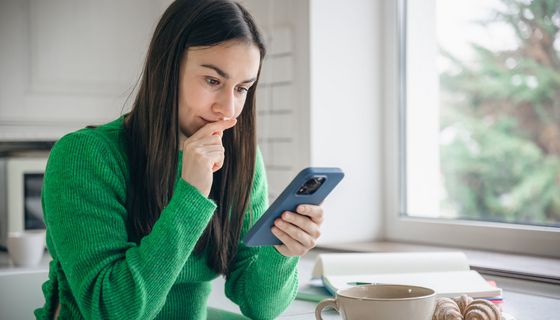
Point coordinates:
[(183, 131)]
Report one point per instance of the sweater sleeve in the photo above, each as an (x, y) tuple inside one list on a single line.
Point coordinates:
[(84, 196), (262, 282)]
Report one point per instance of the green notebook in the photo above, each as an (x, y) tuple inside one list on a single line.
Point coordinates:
[(219, 314), (313, 291)]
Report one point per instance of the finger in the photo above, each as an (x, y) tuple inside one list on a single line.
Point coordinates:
[(208, 140), (217, 127), (303, 222), (293, 247), (203, 150), (283, 250), (216, 159), (213, 155), (218, 162), (312, 211), (295, 233), (211, 149)]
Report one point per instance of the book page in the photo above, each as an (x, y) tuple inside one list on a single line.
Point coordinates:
[(445, 284), (393, 262)]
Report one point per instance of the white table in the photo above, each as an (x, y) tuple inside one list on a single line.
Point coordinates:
[(20, 293), (525, 300)]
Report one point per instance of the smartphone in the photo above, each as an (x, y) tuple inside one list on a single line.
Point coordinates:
[(310, 186)]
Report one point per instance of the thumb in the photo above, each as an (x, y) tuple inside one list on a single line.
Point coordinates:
[(214, 128)]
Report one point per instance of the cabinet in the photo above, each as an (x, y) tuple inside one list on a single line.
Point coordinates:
[(66, 64)]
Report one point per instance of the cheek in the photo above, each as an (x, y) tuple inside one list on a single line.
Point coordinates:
[(239, 107), (184, 122), (194, 98), (238, 111), (184, 112), (194, 102)]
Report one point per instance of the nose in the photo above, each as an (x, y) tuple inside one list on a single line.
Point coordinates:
[(225, 104)]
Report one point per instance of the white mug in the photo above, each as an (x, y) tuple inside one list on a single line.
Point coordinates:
[(381, 302), (26, 248)]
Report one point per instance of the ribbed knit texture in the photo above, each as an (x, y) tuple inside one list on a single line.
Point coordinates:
[(97, 273)]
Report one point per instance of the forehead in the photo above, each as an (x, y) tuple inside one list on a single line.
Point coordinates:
[(238, 59)]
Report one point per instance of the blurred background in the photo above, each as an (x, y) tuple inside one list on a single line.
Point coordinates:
[(443, 114), (440, 112)]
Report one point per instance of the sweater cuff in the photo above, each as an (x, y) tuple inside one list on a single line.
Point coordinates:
[(186, 196), (276, 258)]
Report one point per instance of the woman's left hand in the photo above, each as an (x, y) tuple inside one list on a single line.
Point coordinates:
[(298, 231)]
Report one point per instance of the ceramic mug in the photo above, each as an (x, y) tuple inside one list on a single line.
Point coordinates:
[(26, 248), (381, 302)]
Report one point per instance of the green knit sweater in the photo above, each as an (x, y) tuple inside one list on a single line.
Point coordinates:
[(97, 273)]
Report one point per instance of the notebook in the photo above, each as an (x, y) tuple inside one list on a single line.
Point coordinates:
[(447, 273)]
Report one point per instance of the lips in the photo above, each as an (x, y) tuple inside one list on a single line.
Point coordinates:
[(210, 121)]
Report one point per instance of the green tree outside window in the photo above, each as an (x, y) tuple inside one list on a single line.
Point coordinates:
[(503, 114)]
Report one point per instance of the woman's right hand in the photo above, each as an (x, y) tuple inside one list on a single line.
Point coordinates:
[(203, 154)]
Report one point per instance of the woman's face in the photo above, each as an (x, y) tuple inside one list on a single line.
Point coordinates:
[(213, 83)]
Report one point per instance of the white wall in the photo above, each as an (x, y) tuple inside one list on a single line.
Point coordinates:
[(283, 94), (65, 64), (346, 113), (336, 96)]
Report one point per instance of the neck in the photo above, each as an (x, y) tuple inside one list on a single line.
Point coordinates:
[(182, 139)]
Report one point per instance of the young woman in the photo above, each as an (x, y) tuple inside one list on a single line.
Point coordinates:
[(143, 212)]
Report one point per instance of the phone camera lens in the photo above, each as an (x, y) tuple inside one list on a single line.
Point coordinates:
[(311, 185)]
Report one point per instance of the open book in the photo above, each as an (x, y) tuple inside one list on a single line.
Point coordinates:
[(447, 273)]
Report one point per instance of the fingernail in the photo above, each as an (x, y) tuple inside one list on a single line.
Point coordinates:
[(287, 216)]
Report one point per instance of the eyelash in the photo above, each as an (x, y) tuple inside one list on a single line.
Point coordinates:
[(213, 82), (242, 90)]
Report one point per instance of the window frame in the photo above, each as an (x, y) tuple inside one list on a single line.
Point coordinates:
[(505, 237)]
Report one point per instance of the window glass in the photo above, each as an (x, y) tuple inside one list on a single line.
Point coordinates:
[(482, 110)]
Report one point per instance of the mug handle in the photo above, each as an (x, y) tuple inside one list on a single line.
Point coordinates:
[(322, 305)]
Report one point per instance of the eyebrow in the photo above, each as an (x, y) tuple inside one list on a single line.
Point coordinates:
[(224, 74)]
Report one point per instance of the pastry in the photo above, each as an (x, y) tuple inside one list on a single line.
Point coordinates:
[(447, 309), (463, 301), (481, 309)]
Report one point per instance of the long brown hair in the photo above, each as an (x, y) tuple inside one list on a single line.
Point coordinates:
[(153, 131)]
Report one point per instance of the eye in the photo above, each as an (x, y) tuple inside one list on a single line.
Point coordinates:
[(212, 82), (242, 89)]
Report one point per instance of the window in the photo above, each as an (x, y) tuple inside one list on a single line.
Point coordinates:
[(478, 124)]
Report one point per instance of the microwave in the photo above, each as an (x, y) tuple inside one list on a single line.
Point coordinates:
[(21, 180)]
